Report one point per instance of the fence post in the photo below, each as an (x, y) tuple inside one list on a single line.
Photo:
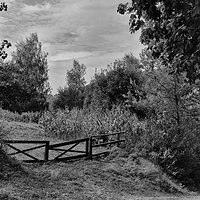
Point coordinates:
[(90, 147), (46, 153), (118, 138), (87, 147)]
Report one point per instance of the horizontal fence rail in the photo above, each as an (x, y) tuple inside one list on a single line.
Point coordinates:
[(63, 149)]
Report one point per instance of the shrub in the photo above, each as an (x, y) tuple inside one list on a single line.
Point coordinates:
[(175, 149)]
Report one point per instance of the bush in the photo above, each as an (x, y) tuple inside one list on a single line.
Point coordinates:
[(175, 149)]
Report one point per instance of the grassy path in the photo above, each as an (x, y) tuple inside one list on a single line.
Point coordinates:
[(118, 177)]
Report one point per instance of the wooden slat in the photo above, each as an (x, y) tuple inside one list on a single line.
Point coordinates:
[(55, 149), (34, 161), (77, 151), (22, 152), (107, 143), (25, 141), (67, 143), (46, 152)]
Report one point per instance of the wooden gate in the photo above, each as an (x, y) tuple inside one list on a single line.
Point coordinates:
[(71, 149), (47, 152), (24, 147)]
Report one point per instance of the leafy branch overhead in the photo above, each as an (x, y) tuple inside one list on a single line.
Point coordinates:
[(5, 43), (171, 31)]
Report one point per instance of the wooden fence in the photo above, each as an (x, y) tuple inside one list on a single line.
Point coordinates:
[(66, 150), (105, 140)]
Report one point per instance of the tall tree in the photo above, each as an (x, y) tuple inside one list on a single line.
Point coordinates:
[(72, 95), (171, 31), (31, 64), (111, 86), (75, 76)]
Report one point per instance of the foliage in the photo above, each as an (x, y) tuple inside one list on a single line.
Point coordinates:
[(62, 124), (171, 31), (26, 117), (69, 98), (82, 123), (25, 84), (75, 76), (111, 86), (72, 95), (5, 43)]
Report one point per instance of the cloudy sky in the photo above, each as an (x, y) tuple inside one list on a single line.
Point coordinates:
[(90, 31)]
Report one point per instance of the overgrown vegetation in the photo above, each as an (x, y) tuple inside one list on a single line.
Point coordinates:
[(25, 117)]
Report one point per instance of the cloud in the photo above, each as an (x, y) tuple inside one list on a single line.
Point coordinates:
[(70, 55), (36, 8), (88, 30)]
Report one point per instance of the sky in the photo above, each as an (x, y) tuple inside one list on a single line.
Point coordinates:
[(90, 31)]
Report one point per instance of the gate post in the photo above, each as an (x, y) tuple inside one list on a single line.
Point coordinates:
[(118, 138), (46, 153), (90, 147), (87, 147)]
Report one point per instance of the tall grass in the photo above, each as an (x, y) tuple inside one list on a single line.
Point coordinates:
[(83, 123), (24, 117)]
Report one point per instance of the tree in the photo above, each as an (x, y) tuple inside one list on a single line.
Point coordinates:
[(5, 43), (111, 86), (75, 76), (171, 31), (29, 75), (72, 95)]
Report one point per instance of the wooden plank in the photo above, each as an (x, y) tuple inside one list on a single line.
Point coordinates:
[(77, 151), (25, 141), (46, 153), (69, 150), (67, 143), (34, 161), (90, 147), (21, 152), (87, 147), (107, 143)]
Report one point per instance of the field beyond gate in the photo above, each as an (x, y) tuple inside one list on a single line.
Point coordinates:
[(43, 151)]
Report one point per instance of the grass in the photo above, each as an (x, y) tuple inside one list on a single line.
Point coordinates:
[(117, 177)]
